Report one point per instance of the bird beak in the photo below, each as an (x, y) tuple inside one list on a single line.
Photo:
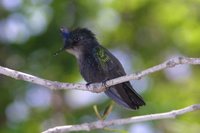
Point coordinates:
[(65, 33)]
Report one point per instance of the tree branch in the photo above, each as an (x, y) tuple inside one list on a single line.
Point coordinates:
[(97, 87), (102, 124)]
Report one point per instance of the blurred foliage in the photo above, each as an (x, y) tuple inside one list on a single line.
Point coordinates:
[(150, 31)]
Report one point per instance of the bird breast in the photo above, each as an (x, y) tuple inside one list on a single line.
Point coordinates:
[(90, 70)]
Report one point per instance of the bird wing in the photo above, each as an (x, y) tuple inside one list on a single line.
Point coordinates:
[(108, 63), (123, 93)]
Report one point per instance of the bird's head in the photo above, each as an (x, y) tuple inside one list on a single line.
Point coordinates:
[(78, 41)]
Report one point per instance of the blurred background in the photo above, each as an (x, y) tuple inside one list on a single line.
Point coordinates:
[(141, 33)]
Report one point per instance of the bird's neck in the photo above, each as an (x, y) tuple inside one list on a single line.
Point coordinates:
[(87, 54), (82, 53), (88, 48)]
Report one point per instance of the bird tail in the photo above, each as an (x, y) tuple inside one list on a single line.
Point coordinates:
[(125, 95)]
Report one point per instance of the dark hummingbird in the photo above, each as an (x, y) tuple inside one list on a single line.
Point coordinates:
[(97, 64)]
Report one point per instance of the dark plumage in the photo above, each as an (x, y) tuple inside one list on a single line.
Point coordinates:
[(97, 64)]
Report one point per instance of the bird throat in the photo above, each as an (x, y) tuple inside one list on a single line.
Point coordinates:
[(76, 52)]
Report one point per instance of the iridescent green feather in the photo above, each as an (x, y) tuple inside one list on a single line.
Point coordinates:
[(103, 58)]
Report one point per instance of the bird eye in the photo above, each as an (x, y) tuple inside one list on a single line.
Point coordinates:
[(76, 39)]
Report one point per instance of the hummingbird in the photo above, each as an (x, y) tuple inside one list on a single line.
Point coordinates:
[(97, 64)]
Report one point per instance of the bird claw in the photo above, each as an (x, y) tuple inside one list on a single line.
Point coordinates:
[(104, 83), (88, 84)]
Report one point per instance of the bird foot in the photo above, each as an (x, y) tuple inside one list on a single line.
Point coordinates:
[(104, 82), (87, 84)]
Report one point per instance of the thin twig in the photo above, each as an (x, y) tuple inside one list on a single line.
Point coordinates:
[(97, 87), (103, 124)]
